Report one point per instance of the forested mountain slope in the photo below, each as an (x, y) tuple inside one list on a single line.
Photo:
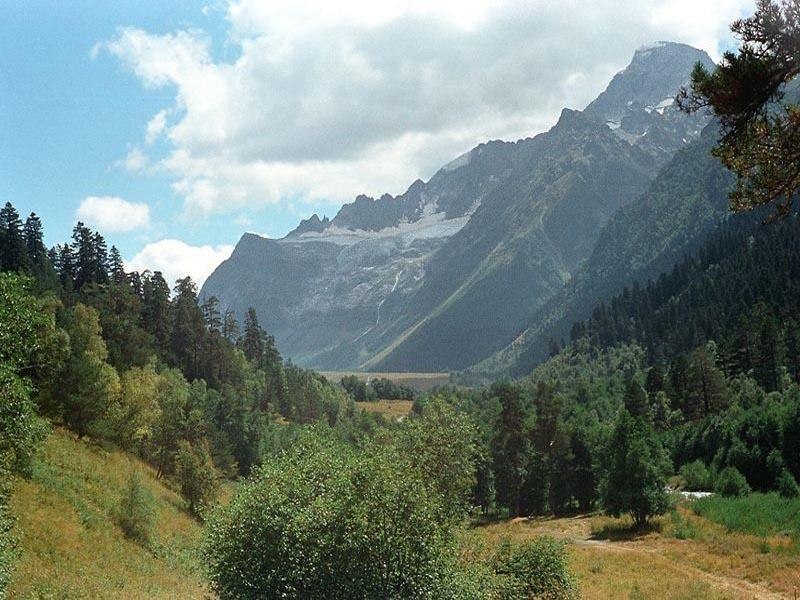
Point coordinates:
[(686, 202)]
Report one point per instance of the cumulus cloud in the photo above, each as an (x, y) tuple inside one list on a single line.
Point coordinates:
[(177, 259), (327, 100), (110, 214)]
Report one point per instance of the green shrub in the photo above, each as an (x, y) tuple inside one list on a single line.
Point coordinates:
[(731, 483), (696, 476), (136, 510), (323, 520), (535, 569), (196, 476), (682, 528), (787, 485)]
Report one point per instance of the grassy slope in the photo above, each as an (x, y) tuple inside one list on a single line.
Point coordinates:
[(71, 546)]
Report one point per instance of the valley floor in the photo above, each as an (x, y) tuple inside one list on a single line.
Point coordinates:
[(610, 562), (71, 547)]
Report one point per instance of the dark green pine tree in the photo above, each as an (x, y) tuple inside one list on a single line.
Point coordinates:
[(707, 391), (34, 243), (13, 252), (759, 143), (157, 312), (635, 400), (64, 262), (212, 315), (230, 326), (275, 392), (116, 267), (511, 446), (41, 263), (678, 382), (188, 329), (100, 262), (768, 351), (792, 344), (252, 342)]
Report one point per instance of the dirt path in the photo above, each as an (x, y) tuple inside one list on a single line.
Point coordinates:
[(720, 582)]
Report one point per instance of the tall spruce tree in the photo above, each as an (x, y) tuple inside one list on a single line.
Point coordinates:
[(188, 329), (253, 337), (156, 311), (512, 445), (13, 251)]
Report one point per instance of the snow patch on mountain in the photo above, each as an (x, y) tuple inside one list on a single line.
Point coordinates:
[(430, 226)]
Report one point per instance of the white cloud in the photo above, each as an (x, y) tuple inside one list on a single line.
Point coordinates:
[(328, 100), (176, 259), (155, 127), (110, 214), (134, 161)]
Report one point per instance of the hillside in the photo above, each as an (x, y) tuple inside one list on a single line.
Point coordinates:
[(70, 543), (455, 268)]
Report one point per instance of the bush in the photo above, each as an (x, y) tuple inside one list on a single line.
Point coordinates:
[(731, 483), (696, 476), (136, 510), (323, 520), (787, 485), (197, 477), (535, 569)]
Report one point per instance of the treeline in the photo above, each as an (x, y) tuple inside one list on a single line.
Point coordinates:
[(692, 376), (378, 388), (740, 290), (123, 357)]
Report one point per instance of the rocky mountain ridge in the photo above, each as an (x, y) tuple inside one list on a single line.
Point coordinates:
[(452, 270)]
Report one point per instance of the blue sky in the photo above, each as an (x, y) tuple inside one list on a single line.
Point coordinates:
[(173, 127)]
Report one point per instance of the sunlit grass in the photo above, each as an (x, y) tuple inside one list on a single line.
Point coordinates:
[(71, 545), (757, 514), (679, 556), (390, 409)]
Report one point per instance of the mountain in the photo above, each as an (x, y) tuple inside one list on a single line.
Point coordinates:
[(686, 202), (455, 268)]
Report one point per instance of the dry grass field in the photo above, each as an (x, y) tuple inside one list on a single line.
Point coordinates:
[(611, 562), (70, 544), (391, 409), (421, 382)]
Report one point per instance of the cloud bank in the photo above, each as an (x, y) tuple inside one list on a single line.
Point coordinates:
[(327, 100), (176, 259), (112, 214)]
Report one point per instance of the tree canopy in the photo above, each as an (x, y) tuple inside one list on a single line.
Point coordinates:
[(749, 91)]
